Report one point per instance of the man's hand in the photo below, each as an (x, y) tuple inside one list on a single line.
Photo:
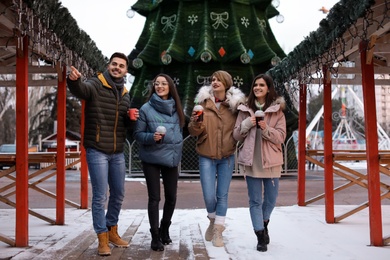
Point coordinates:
[(74, 74)]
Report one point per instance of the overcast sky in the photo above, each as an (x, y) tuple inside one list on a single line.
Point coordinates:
[(109, 27)]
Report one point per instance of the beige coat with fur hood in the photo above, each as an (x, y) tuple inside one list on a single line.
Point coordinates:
[(215, 134)]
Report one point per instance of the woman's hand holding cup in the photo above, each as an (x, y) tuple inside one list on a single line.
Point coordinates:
[(259, 115), (197, 114), (159, 134)]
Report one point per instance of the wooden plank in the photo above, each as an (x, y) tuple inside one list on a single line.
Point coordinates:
[(38, 157), (301, 187), (386, 240), (351, 212), (7, 172), (337, 189), (199, 248), (328, 146), (77, 246), (119, 253), (139, 247), (30, 211), (7, 240)]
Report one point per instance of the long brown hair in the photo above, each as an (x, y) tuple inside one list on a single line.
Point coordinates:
[(269, 98), (172, 93)]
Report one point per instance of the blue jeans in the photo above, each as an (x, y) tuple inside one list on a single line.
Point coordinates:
[(215, 177), (106, 171), (260, 209)]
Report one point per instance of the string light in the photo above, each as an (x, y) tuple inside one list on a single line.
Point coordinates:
[(303, 66), (130, 13), (45, 44)]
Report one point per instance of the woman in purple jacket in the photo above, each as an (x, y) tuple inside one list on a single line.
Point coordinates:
[(260, 156)]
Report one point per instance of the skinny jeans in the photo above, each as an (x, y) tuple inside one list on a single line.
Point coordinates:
[(215, 178), (261, 208), (170, 176)]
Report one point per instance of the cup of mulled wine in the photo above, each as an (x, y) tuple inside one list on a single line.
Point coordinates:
[(259, 114), (199, 113), (131, 112), (161, 130)]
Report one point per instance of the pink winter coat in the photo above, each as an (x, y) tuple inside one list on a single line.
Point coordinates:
[(273, 136)]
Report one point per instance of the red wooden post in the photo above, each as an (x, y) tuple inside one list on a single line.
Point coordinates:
[(21, 228), (61, 137), (84, 165), (375, 210), (328, 157), (302, 145)]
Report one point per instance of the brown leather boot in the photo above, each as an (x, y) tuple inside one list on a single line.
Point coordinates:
[(104, 248), (115, 239)]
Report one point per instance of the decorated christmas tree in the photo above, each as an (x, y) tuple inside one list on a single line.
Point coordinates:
[(190, 39)]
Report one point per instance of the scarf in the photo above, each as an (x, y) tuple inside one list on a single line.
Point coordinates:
[(117, 82)]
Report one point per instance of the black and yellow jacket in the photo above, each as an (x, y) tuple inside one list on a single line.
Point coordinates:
[(105, 113)]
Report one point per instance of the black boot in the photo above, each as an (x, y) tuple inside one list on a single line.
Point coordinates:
[(156, 244), (261, 245), (164, 233), (266, 236)]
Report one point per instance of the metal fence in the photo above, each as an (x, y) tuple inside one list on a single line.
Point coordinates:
[(189, 164)]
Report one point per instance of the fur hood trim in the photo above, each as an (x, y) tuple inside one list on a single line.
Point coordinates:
[(234, 96), (280, 101), (278, 104)]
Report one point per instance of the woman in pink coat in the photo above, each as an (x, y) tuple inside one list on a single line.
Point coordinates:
[(260, 156)]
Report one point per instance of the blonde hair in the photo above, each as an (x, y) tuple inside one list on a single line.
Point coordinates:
[(224, 77)]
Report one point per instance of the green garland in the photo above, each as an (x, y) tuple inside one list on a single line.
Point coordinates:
[(343, 14), (60, 21)]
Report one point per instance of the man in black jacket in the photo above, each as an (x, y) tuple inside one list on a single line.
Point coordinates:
[(106, 118)]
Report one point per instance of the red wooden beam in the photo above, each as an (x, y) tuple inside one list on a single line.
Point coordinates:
[(375, 210), (302, 145), (21, 228), (84, 165), (328, 158), (61, 137)]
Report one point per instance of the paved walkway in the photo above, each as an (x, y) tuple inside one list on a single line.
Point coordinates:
[(296, 233)]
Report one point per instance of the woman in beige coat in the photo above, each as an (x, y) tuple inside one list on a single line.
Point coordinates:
[(260, 156), (215, 147)]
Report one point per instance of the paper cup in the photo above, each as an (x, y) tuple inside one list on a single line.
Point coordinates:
[(131, 113), (259, 114), (199, 113), (161, 130)]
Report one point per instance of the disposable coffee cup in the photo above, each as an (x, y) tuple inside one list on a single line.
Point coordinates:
[(131, 113), (161, 130), (199, 113), (259, 114)]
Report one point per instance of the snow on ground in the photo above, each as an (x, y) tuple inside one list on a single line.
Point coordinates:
[(295, 232)]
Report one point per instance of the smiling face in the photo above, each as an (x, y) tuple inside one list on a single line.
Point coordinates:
[(260, 89), (161, 87), (217, 85), (117, 68)]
